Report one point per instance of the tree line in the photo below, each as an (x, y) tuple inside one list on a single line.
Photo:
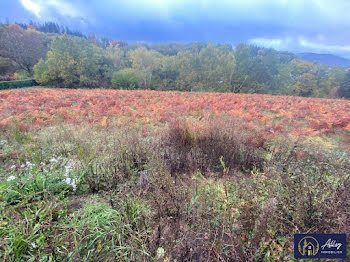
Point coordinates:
[(64, 60)]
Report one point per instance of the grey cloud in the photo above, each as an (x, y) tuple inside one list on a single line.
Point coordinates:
[(323, 25)]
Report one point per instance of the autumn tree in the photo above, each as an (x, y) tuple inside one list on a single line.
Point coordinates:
[(7, 66), (74, 62), (305, 85), (92, 39), (118, 56), (300, 67), (25, 47)]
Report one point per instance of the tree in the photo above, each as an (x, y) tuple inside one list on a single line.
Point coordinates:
[(25, 47), (169, 49), (344, 89), (256, 69), (49, 27), (187, 65), (144, 62), (118, 57), (74, 62), (105, 42), (216, 67), (206, 67), (300, 67), (125, 79), (7, 66), (166, 74), (305, 85), (92, 38)]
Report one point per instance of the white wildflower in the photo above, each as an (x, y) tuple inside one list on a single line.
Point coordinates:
[(53, 160), (13, 166), (67, 180), (28, 164), (71, 182), (160, 252), (10, 178), (74, 185)]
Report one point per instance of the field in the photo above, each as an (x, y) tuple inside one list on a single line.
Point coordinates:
[(106, 175), (299, 116)]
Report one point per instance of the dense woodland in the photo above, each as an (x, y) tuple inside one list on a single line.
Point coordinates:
[(59, 57)]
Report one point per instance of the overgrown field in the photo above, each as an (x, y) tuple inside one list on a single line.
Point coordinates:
[(106, 175)]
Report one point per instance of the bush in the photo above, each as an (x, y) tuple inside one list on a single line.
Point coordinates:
[(125, 79), (22, 75), (127, 157), (7, 78), (189, 148), (17, 84)]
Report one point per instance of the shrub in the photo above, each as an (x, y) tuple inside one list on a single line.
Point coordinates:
[(17, 84), (189, 148), (125, 79), (120, 158), (7, 78), (22, 75)]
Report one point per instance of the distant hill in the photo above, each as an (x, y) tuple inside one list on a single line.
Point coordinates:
[(327, 59)]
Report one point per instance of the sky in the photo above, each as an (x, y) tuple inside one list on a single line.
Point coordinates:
[(319, 26)]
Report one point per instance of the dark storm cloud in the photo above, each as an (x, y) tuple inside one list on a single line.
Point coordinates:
[(298, 25)]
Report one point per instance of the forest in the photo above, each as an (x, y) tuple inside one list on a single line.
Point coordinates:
[(59, 57)]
